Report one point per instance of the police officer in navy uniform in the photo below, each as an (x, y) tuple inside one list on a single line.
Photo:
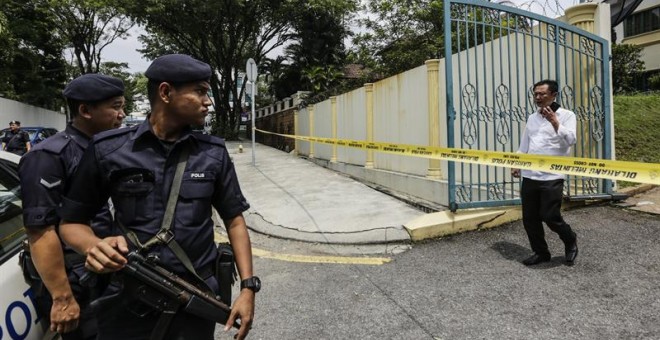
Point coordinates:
[(135, 167), (16, 140), (96, 103)]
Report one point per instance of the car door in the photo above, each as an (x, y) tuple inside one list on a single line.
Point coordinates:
[(19, 319)]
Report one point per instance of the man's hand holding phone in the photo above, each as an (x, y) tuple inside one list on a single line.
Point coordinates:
[(548, 113)]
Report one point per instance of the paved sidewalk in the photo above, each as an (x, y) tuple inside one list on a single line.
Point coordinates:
[(644, 198), (295, 199)]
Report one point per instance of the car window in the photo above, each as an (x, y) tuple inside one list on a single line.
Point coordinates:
[(32, 133), (11, 209), (43, 134)]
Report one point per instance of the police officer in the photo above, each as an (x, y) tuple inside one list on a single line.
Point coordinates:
[(16, 140), (96, 104), (135, 167)]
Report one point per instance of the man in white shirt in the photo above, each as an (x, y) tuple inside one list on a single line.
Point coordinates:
[(549, 131)]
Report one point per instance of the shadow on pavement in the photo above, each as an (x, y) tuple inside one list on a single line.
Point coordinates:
[(517, 253)]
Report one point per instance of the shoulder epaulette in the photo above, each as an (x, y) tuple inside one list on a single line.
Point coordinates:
[(113, 133), (55, 143), (109, 141)]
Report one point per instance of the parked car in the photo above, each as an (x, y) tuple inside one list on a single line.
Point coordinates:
[(19, 319), (37, 134)]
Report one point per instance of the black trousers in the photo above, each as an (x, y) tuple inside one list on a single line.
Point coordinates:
[(541, 202), (128, 319), (125, 323)]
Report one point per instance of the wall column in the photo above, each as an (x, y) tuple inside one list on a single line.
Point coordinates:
[(333, 109), (369, 91), (295, 132), (310, 109), (432, 67), (582, 16)]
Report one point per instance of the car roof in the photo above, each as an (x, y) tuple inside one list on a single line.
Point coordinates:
[(8, 156), (31, 127)]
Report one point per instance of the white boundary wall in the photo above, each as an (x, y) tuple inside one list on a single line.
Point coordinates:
[(30, 115)]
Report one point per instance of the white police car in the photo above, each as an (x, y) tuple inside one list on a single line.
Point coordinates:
[(19, 319)]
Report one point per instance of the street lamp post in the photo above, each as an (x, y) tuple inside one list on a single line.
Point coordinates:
[(251, 71)]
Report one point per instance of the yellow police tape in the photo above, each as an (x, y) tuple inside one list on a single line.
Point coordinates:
[(588, 167)]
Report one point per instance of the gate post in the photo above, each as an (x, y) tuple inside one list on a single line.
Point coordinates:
[(593, 18), (295, 132), (432, 67)]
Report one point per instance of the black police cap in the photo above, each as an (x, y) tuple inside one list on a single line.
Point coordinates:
[(94, 87), (178, 68)]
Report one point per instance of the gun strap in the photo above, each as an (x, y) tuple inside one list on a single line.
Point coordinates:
[(162, 325), (165, 235)]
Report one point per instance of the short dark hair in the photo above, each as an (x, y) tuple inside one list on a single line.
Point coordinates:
[(15, 122), (152, 89), (552, 85)]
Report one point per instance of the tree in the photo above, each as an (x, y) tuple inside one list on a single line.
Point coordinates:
[(317, 53), (32, 69), (399, 35), (88, 26), (222, 33), (626, 65), (120, 70), (654, 82)]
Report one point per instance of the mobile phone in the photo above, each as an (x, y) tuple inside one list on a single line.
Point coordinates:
[(554, 106)]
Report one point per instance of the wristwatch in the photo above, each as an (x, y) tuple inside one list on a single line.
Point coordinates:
[(252, 283)]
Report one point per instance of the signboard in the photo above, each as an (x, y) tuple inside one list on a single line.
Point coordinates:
[(251, 70)]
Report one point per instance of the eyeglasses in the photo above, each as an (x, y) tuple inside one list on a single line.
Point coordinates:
[(542, 94)]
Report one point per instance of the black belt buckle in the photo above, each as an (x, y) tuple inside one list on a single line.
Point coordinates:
[(165, 236)]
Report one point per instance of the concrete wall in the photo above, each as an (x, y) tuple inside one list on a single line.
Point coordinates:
[(30, 115)]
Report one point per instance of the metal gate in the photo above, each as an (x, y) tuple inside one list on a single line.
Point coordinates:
[(493, 56)]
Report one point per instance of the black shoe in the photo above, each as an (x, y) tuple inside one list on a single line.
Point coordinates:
[(536, 259), (571, 253)]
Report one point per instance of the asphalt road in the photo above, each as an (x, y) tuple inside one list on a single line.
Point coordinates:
[(471, 286)]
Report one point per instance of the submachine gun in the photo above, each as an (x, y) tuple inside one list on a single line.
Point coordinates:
[(146, 281)]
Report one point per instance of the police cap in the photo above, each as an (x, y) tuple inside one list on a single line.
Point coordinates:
[(178, 68), (93, 87)]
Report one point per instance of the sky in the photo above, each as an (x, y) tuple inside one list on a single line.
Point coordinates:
[(126, 50)]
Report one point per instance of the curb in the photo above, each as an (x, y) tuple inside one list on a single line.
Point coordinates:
[(444, 223)]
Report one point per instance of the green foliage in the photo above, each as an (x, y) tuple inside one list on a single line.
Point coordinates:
[(626, 65), (222, 33), (226, 33), (654, 82), (32, 69), (120, 70), (317, 53), (637, 129), (88, 26), (399, 35)]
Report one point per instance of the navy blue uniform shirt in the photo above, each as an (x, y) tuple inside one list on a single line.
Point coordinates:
[(46, 173), (132, 166), (16, 141)]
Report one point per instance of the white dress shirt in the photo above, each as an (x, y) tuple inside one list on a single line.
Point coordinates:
[(540, 137)]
